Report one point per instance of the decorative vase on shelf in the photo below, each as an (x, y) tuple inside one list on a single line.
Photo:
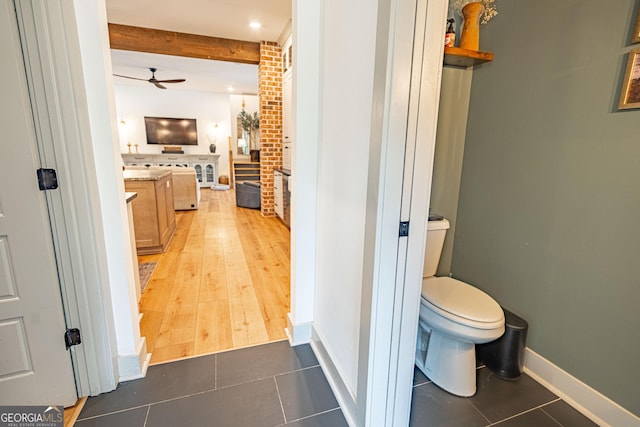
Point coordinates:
[(212, 148), (470, 37)]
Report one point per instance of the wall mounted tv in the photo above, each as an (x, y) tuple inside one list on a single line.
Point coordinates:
[(171, 131)]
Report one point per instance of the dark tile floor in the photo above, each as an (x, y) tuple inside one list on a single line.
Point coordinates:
[(275, 384), (268, 385), (497, 402)]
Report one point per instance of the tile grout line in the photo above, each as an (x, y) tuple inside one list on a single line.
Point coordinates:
[(550, 416), (146, 418), (479, 411), (216, 388), (284, 416), (149, 404), (524, 412), (421, 384), (315, 415), (547, 414), (297, 370), (114, 412), (267, 377)]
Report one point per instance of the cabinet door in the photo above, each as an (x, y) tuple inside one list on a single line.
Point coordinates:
[(161, 211), (286, 200), (287, 98), (145, 217), (169, 207), (199, 172), (165, 209), (286, 155), (278, 204), (209, 174)]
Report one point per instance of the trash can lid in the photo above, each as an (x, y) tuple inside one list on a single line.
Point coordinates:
[(513, 321)]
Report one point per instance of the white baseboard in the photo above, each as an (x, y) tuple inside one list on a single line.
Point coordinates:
[(340, 390), (593, 404), (135, 365), (298, 334)]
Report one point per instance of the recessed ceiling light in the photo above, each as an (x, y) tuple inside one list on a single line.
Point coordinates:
[(255, 25), (230, 88)]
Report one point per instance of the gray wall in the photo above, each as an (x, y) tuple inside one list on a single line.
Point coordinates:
[(549, 209), (447, 165)]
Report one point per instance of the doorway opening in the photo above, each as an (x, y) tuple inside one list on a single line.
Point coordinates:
[(224, 280)]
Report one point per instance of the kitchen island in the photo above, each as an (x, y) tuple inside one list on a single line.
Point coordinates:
[(154, 216)]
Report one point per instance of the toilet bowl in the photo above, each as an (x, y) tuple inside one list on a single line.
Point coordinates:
[(454, 317)]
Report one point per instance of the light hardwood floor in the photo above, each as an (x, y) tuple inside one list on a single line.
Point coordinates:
[(222, 283)]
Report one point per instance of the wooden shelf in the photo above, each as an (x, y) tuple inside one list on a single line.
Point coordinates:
[(459, 57)]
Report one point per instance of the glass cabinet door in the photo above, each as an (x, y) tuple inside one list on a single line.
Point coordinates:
[(209, 171), (198, 169)]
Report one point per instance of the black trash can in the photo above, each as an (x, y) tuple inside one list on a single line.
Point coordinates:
[(505, 356)]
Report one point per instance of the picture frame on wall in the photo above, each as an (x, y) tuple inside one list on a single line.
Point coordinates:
[(630, 93)]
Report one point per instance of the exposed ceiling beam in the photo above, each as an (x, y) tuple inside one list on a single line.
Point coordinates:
[(125, 37)]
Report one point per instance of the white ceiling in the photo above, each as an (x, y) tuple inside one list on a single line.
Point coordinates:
[(201, 74), (216, 18)]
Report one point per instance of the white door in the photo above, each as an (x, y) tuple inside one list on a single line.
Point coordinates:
[(35, 367)]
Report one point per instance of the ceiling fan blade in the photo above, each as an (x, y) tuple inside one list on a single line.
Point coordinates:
[(158, 85), (172, 81), (132, 78)]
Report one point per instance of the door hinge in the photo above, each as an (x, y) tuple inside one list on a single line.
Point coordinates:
[(72, 337), (47, 179), (404, 229)]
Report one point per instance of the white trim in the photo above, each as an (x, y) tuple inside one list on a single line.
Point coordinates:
[(303, 183), (298, 334), (52, 61), (340, 389), (593, 404), (406, 99), (134, 366)]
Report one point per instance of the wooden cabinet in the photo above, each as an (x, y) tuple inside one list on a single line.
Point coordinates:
[(138, 159), (286, 155), (287, 107), (206, 170), (288, 122), (154, 217), (278, 201), (206, 165), (281, 195)]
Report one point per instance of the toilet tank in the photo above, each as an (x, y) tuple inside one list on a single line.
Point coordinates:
[(436, 231)]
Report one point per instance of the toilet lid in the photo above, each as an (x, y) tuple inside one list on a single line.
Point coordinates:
[(461, 299)]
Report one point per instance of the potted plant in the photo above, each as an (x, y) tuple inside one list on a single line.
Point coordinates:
[(250, 124)]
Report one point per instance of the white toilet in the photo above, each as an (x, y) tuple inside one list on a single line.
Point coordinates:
[(454, 317)]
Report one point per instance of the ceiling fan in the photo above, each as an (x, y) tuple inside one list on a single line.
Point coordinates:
[(153, 80)]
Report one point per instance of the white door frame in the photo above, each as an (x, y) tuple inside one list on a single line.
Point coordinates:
[(404, 121), (407, 78), (403, 133), (52, 56)]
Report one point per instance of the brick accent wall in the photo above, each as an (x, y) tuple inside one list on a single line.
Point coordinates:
[(270, 88)]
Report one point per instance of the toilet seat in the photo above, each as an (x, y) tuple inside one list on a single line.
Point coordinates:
[(461, 303)]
